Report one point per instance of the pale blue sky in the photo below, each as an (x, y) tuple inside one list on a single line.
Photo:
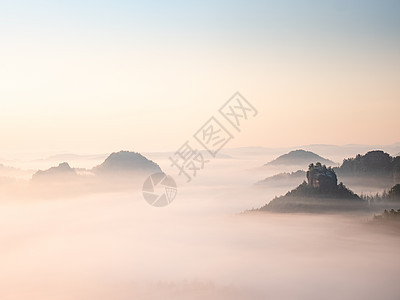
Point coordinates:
[(227, 21), (83, 76)]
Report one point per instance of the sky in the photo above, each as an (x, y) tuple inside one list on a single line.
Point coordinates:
[(101, 76)]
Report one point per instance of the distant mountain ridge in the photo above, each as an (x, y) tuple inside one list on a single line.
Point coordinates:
[(299, 157), (72, 156), (374, 168), (334, 152)]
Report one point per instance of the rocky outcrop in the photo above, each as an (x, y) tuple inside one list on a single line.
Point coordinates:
[(320, 194), (62, 172), (319, 176)]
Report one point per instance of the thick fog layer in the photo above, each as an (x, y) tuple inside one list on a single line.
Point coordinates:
[(112, 244)]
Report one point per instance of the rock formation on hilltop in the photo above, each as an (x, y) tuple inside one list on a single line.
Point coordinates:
[(320, 194), (62, 172), (319, 176)]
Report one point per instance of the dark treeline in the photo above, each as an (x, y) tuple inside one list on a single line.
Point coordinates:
[(374, 164), (392, 195), (322, 193)]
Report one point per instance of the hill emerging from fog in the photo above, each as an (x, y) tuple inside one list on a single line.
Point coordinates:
[(126, 161), (127, 168), (299, 157), (374, 163), (320, 194), (373, 169), (63, 171)]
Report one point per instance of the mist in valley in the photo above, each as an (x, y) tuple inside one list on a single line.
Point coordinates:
[(199, 150), (107, 242)]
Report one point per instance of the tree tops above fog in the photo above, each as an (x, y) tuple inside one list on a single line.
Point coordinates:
[(394, 192), (373, 163), (320, 194), (387, 196)]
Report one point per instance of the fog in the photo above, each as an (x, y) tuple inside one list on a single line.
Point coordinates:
[(107, 242)]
